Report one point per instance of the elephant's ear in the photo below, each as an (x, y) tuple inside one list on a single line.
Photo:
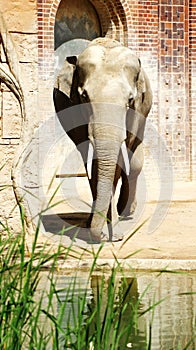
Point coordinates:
[(74, 95), (72, 60), (141, 84)]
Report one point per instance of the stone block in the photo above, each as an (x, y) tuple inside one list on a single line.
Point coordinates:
[(29, 76), (32, 110), (11, 116), (9, 212), (7, 153), (27, 47), (20, 16)]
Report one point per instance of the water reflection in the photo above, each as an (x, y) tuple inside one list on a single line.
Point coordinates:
[(169, 325), (174, 319), (126, 293)]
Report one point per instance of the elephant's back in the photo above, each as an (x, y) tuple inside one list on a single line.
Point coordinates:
[(105, 42)]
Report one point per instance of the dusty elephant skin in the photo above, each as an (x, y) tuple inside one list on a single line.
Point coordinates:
[(112, 98)]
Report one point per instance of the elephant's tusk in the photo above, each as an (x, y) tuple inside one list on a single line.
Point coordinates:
[(125, 157), (90, 160)]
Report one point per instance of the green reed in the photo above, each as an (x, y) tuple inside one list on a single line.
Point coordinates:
[(28, 313)]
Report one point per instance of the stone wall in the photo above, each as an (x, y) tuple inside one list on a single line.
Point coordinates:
[(20, 18)]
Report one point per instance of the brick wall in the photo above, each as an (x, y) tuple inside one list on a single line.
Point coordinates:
[(192, 82), (174, 83), (163, 34)]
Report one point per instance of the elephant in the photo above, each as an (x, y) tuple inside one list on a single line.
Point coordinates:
[(112, 97)]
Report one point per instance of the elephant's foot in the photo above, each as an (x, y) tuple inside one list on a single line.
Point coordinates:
[(133, 207), (96, 237), (129, 210), (116, 234), (117, 237), (112, 234)]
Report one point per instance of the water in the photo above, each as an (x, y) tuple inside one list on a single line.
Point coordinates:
[(170, 325)]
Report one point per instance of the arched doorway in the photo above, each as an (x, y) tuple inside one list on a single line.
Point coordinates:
[(76, 19)]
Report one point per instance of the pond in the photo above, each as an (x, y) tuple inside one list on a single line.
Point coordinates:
[(137, 310)]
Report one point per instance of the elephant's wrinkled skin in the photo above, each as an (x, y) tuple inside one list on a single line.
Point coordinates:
[(109, 80)]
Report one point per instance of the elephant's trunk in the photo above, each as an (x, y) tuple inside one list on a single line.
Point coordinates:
[(107, 153), (107, 131)]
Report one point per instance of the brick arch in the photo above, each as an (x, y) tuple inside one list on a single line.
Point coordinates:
[(113, 15), (115, 20)]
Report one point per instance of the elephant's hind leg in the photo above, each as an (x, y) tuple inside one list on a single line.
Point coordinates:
[(127, 200)]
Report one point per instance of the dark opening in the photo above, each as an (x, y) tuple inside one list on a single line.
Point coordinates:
[(76, 19)]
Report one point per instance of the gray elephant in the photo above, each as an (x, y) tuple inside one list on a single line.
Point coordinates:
[(113, 98)]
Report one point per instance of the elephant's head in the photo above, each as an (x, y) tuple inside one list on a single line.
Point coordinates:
[(110, 79)]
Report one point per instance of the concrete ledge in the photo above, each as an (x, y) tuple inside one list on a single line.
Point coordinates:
[(131, 265)]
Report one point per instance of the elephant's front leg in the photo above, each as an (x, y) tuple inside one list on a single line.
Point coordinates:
[(127, 200), (115, 233), (95, 235), (110, 218)]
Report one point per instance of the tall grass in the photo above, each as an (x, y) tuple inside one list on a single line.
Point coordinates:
[(28, 318), (39, 318)]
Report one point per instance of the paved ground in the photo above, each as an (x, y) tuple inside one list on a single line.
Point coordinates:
[(168, 231)]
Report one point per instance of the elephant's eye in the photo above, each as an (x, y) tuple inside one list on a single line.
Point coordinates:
[(83, 94), (130, 102), (136, 78)]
